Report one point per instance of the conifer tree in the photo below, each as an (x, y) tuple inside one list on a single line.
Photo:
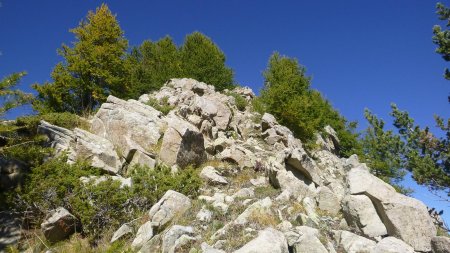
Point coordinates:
[(203, 60), (152, 64), (10, 98), (442, 37), (288, 96), (92, 69)]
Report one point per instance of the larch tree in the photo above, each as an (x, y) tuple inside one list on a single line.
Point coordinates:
[(9, 97), (203, 60), (92, 69)]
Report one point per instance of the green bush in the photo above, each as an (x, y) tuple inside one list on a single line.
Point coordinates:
[(21, 141), (163, 106), (241, 103), (98, 206), (151, 184)]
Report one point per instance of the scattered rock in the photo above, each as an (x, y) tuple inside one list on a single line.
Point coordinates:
[(124, 230), (60, 138), (138, 157), (353, 243), (208, 249), (204, 215), (59, 225), (212, 176), (360, 214), (392, 245), (244, 193), (175, 237), (260, 181), (144, 234), (169, 206), (269, 240)]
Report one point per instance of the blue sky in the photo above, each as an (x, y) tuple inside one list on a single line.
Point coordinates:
[(361, 54)]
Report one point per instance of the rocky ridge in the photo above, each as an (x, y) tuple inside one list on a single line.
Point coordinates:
[(263, 192)]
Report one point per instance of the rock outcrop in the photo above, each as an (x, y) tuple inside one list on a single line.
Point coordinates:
[(263, 193)]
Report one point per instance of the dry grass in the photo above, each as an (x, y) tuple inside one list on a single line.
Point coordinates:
[(216, 163), (260, 219)]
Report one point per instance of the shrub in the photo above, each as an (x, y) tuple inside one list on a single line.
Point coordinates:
[(241, 103), (150, 184), (163, 106)]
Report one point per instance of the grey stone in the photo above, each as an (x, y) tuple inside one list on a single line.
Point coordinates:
[(59, 225), (182, 144), (169, 206), (392, 245), (124, 182), (128, 124), (440, 244), (138, 157), (404, 217), (208, 249), (60, 138), (99, 151), (172, 239), (352, 243), (328, 201), (268, 240), (212, 176), (124, 230), (144, 234), (361, 214)]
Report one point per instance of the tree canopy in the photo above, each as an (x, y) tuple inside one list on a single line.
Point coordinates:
[(10, 98), (288, 96), (92, 69), (442, 36), (203, 60)]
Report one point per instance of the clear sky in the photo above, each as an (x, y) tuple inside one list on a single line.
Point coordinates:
[(360, 53)]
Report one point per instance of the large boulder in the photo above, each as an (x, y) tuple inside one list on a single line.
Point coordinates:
[(99, 151), (128, 124), (352, 243), (279, 177), (239, 155), (360, 214), (268, 240), (303, 239), (59, 225), (169, 206), (392, 245), (301, 162), (440, 244), (404, 217), (328, 201), (182, 144)]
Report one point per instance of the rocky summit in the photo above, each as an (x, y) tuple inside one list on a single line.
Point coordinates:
[(262, 190)]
